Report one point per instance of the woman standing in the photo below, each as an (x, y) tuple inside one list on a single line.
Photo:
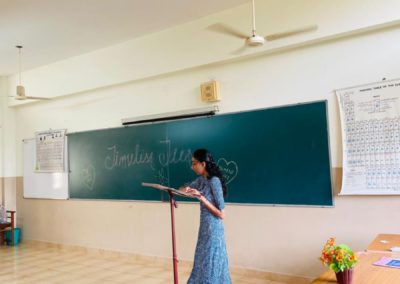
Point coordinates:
[(211, 259)]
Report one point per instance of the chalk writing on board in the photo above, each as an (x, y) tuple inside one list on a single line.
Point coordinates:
[(88, 177), (115, 159), (174, 155), (124, 160), (162, 176), (171, 155), (229, 169)]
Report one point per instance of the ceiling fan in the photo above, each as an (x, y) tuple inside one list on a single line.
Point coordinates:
[(254, 39), (20, 95)]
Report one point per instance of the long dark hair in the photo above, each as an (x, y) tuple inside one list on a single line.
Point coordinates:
[(203, 155)]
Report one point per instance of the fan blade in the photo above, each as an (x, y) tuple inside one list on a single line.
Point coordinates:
[(239, 50), (220, 28), (37, 98), (291, 32)]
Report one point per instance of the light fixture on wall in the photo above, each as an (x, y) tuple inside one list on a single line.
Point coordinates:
[(188, 113), (20, 92)]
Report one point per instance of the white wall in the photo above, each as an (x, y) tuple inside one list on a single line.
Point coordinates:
[(7, 149), (8, 132), (278, 239), (3, 90), (3, 106)]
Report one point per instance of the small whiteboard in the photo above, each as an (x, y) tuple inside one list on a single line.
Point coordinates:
[(43, 185)]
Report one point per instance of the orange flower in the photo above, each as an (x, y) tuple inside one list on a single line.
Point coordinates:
[(352, 257), (331, 241)]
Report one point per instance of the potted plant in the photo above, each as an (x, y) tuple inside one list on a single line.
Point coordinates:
[(341, 259)]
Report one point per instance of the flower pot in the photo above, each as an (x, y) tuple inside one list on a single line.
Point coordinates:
[(345, 277)]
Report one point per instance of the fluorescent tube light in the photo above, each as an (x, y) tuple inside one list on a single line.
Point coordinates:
[(205, 111)]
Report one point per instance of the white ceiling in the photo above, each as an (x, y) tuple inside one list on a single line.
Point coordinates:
[(52, 30)]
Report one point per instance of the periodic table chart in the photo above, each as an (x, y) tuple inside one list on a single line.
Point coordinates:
[(370, 120)]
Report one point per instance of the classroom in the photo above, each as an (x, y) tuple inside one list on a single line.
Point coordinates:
[(100, 62)]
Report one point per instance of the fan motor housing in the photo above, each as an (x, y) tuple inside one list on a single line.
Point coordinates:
[(255, 40), (20, 91)]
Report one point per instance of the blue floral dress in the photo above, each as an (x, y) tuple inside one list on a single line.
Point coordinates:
[(211, 259)]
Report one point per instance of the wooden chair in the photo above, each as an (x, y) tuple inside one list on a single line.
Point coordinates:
[(9, 226)]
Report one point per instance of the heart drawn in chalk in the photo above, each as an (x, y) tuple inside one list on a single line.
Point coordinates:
[(229, 169), (88, 177)]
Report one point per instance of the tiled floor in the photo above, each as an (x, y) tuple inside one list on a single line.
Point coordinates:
[(30, 263)]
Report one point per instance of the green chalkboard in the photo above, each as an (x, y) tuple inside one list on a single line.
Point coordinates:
[(270, 156)]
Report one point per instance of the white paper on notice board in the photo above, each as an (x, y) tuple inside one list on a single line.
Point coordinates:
[(43, 185)]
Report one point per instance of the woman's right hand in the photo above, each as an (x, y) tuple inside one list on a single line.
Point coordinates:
[(192, 191)]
